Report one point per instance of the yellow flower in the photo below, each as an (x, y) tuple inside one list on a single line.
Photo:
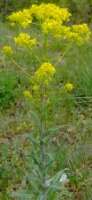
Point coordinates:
[(35, 87), (24, 40), (83, 31), (49, 11), (52, 17), (79, 33), (69, 86), (24, 17), (7, 50), (27, 94), (44, 73), (52, 26), (13, 24)]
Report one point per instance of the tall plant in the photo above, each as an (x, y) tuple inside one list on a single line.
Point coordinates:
[(42, 93)]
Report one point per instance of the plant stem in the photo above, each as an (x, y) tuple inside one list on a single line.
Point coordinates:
[(21, 68), (43, 153), (42, 131), (45, 46), (43, 145), (64, 54)]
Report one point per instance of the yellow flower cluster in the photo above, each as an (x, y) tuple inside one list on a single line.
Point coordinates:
[(69, 86), (55, 28), (44, 73), (24, 18), (35, 88), (24, 40), (51, 19), (7, 50), (79, 33), (49, 11), (48, 26), (51, 16), (28, 94)]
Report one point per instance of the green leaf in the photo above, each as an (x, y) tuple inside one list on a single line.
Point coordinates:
[(36, 118), (34, 140), (42, 196), (22, 195), (51, 132)]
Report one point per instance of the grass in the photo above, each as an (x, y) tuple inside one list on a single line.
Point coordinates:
[(72, 143)]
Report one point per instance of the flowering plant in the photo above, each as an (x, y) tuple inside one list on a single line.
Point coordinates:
[(50, 20)]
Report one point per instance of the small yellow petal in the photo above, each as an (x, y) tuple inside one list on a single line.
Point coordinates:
[(69, 86), (7, 50), (27, 94)]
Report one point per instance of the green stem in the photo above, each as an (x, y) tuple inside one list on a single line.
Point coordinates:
[(21, 68), (35, 54), (43, 145), (64, 54), (45, 46), (43, 153), (42, 131)]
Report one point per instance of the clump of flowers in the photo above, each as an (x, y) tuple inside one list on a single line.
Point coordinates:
[(23, 18), (69, 86), (40, 78), (49, 11), (24, 40), (79, 33), (51, 18), (44, 73), (28, 94), (48, 26), (7, 50)]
